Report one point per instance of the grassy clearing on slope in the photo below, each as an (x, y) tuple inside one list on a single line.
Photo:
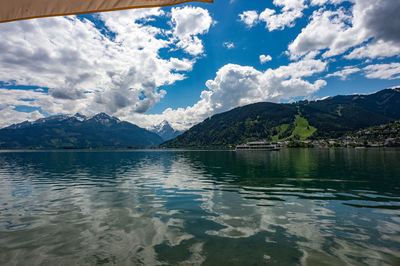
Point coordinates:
[(302, 129), (282, 128)]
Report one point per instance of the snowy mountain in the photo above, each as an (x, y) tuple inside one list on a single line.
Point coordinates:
[(165, 131)]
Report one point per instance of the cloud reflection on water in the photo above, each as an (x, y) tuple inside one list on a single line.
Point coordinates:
[(160, 207)]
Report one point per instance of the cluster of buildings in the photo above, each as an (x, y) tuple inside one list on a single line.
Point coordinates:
[(387, 135)]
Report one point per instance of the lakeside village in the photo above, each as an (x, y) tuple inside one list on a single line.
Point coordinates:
[(387, 135)]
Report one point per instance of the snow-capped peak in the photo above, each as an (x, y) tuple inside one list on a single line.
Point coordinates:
[(51, 118), (165, 130), (160, 127), (164, 123), (105, 119), (20, 125)]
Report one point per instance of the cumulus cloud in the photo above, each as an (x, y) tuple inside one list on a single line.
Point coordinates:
[(188, 23), (290, 11), (115, 68), (236, 85), (381, 18), (383, 71), (290, 4), (362, 30), (275, 21), (181, 64), (250, 18), (364, 27), (376, 49), (15, 97), (375, 71), (265, 58), (9, 116), (327, 30)]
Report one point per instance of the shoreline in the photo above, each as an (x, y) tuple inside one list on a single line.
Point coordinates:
[(186, 149)]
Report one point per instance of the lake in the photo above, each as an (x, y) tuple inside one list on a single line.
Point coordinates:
[(124, 207)]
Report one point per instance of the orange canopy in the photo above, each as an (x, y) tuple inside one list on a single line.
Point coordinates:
[(11, 10)]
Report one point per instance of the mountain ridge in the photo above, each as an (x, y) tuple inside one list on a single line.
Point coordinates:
[(331, 117), (77, 116), (77, 131)]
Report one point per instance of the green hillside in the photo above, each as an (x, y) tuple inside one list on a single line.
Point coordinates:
[(329, 118), (251, 122)]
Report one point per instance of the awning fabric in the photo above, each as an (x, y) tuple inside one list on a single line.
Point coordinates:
[(11, 10)]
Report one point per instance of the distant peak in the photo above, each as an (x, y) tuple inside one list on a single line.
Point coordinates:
[(164, 123), (105, 119), (79, 115), (103, 115), (51, 118)]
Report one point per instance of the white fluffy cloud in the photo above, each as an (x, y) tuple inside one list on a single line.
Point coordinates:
[(327, 30), (377, 49), (383, 71), (250, 18), (290, 11), (290, 4), (188, 23), (275, 21), (115, 69), (376, 71), (236, 85), (10, 116), (369, 29), (365, 27), (265, 58)]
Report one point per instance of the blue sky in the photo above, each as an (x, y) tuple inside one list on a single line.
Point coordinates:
[(249, 44), (188, 62)]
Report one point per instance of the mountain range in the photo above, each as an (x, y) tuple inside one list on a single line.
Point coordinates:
[(332, 117), (327, 118), (77, 131)]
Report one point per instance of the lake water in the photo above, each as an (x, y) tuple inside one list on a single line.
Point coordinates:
[(290, 207)]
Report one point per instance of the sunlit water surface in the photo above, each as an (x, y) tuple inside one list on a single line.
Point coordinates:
[(291, 207)]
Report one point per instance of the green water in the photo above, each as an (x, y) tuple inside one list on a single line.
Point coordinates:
[(291, 207)]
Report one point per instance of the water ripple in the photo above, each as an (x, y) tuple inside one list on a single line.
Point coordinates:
[(200, 207)]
